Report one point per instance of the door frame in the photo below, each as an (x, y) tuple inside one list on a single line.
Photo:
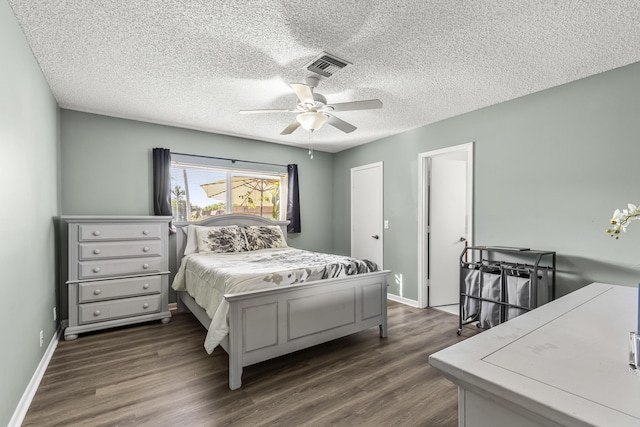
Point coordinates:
[(423, 211), (379, 165)]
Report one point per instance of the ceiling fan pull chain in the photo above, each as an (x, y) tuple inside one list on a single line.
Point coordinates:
[(311, 145)]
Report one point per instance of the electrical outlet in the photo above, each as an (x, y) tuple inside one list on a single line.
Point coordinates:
[(55, 314), (41, 338)]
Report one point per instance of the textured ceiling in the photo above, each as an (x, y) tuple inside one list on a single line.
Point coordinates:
[(195, 64)]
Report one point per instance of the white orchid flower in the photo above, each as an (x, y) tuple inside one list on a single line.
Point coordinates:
[(620, 219), (616, 216)]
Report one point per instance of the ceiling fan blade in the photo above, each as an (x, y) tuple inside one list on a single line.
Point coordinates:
[(303, 92), (267, 111), (289, 129), (369, 104), (341, 124)]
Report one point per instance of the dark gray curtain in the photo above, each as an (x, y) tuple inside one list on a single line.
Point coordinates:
[(162, 183), (293, 202)]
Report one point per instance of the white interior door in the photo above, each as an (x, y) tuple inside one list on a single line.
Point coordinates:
[(367, 212), (447, 228), (445, 222)]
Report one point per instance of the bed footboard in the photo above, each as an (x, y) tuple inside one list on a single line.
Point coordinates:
[(270, 323)]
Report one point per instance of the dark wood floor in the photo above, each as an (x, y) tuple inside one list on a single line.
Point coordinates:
[(160, 375)]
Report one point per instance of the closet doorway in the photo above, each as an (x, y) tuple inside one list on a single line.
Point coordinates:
[(445, 222)]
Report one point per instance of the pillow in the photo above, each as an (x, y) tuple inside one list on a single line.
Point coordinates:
[(263, 237), (227, 238), (191, 247)]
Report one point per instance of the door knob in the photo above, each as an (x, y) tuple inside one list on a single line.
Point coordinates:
[(376, 237), (462, 239)]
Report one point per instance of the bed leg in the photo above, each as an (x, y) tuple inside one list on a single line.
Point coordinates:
[(235, 346), (235, 377), (383, 331), (383, 310)]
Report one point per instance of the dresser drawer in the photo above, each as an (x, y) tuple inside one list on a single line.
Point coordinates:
[(119, 288), (101, 250), (102, 231), (124, 267), (101, 311)]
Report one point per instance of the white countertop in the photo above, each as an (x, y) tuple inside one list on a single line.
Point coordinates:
[(567, 360)]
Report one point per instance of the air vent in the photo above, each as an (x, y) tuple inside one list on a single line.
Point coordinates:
[(326, 65)]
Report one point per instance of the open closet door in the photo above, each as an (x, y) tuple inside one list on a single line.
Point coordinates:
[(445, 223), (447, 228)]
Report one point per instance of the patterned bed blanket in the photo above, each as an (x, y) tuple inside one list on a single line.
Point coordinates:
[(207, 277)]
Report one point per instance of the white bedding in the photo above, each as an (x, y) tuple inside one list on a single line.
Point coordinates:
[(207, 277)]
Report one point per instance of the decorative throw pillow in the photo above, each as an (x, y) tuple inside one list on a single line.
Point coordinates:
[(263, 237), (227, 238)]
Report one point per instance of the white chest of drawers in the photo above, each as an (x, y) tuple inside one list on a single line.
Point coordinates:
[(117, 271)]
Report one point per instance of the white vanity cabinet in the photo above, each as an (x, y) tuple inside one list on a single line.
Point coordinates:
[(117, 271)]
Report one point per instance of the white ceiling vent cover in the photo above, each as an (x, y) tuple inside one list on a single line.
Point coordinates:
[(326, 64)]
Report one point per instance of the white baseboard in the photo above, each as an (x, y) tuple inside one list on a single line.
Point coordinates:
[(403, 300), (32, 387)]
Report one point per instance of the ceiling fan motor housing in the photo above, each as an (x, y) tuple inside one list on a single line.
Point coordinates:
[(320, 102)]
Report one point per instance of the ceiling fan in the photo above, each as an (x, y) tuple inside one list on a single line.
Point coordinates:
[(313, 111)]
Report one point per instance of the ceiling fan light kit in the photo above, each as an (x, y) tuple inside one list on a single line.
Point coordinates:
[(312, 120)]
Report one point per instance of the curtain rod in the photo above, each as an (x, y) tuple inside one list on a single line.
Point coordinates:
[(231, 160)]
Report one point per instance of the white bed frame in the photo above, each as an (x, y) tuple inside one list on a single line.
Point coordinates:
[(269, 323)]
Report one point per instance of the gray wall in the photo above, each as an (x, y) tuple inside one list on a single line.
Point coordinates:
[(550, 168), (30, 181), (106, 169)]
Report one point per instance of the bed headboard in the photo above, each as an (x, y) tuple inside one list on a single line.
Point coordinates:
[(220, 220)]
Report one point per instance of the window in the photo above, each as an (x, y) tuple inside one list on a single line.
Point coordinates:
[(202, 187)]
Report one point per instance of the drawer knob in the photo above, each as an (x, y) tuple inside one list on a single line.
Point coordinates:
[(97, 313), (97, 292), (145, 286), (97, 233), (145, 266), (145, 305), (145, 232), (96, 269), (145, 249), (97, 251)]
